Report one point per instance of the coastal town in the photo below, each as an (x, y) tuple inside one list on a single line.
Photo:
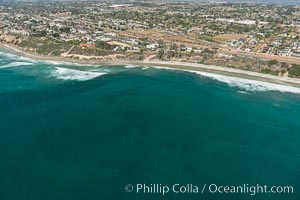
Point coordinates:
[(253, 37), (150, 99)]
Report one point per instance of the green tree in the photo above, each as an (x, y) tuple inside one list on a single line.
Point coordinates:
[(160, 43), (182, 47), (65, 29), (272, 62), (160, 53), (56, 35)]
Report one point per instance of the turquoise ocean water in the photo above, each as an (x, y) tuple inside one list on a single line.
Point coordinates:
[(71, 132)]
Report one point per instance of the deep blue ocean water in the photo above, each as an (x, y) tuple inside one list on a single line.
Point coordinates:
[(69, 132)]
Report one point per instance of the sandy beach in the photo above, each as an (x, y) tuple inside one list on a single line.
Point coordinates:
[(180, 66)]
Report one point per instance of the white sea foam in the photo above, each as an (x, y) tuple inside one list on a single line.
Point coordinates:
[(242, 92), (135, 66), (8, 55), (15, 64), (65, 63), (72, 74), (130, 66), (26, 59), (16, 57), (50, 62), (102, 70), (242, 83), (250, 85)]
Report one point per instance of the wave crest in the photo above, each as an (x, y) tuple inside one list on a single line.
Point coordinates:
[(242, 83), (130, 66), (72, 74), (15, 64), (250, 85)]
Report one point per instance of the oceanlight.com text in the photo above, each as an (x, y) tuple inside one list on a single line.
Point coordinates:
[(247, 189)]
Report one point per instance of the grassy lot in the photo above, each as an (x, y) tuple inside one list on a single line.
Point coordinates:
[(45, 46)]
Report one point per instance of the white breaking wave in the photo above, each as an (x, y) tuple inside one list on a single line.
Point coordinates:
[(15, 64), (135, 66), (8, 55), (243, 92), (250, 85), (72, 74), (242, 83), (50, 62), (100, 70), (16, 57), (26, 59), (65, 63), (130, 66)]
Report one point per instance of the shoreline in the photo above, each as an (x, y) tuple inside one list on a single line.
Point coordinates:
[(178, 66)]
